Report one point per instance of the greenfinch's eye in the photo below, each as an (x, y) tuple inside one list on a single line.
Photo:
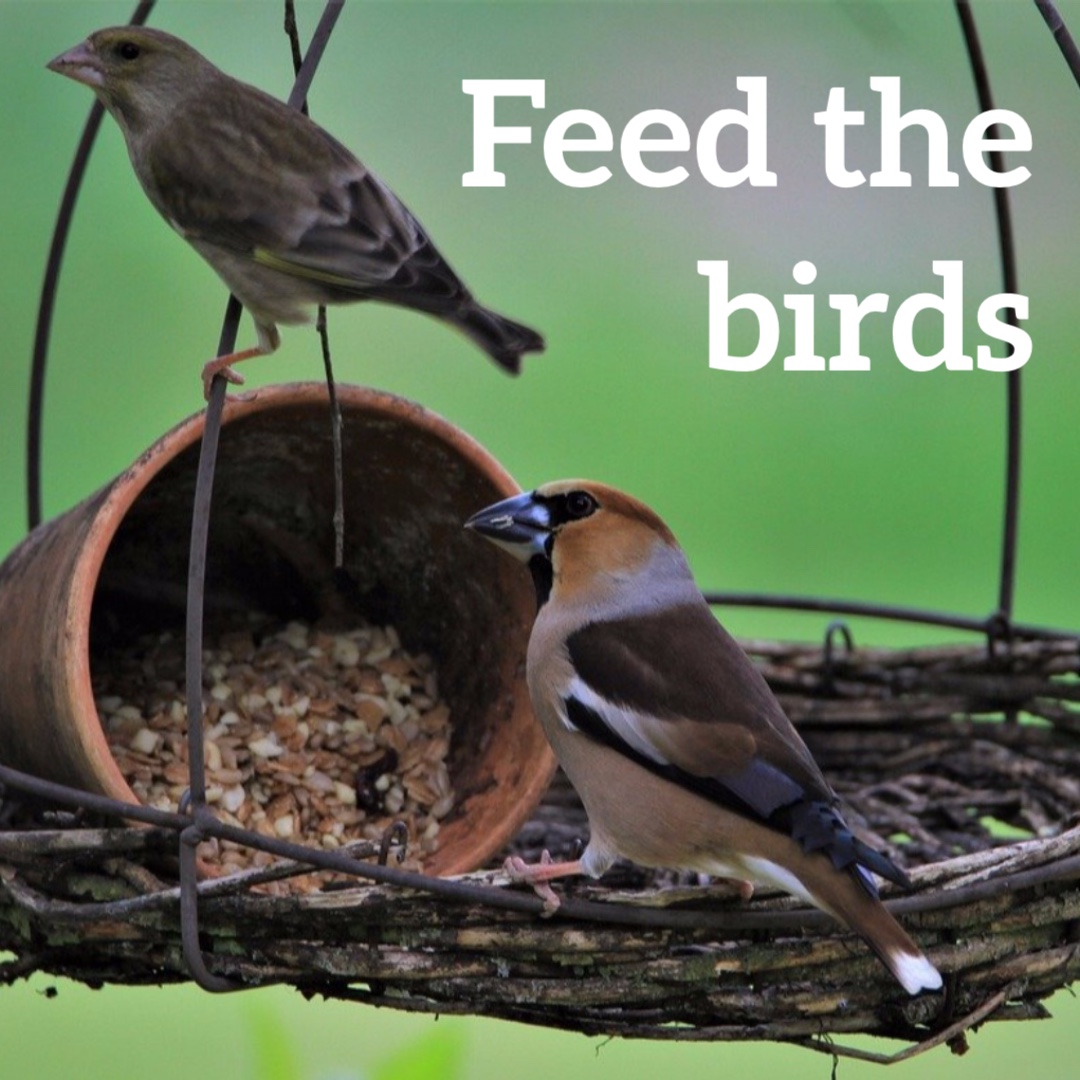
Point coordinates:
[(128, 50)]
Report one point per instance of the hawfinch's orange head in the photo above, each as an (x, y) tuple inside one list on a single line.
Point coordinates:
[(579, 535)]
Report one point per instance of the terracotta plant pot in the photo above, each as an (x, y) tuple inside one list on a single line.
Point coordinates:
[(117, 563)]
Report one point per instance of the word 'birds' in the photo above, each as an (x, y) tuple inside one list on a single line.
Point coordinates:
[(672, 738), (281, 210)]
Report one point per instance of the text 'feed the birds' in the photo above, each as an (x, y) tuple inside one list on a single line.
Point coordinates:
[(668, 134)]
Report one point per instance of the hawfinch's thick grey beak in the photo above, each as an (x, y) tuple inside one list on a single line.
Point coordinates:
[(81, 64), (521, 525)]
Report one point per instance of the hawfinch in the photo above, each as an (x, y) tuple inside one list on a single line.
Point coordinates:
[(672, 738), (280, 209)]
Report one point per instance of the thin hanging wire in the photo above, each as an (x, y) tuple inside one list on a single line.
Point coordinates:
[(322, 327), (200, 527), (1062, 36), (1007, 248)]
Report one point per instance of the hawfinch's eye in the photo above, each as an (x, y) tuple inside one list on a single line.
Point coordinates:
[(579, 504), (128, 50)]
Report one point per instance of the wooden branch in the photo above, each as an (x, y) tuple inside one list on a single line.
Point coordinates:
[(415, 951)]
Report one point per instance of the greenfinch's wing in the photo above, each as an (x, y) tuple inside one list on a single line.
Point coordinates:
[(242, 170), (381, 251)]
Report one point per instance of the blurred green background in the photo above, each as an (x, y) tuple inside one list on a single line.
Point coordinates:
[(882, 485)]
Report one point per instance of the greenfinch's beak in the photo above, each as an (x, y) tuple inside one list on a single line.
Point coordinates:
[(81, 64)]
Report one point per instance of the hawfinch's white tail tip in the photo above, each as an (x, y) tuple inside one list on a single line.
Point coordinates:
[(915, 973)]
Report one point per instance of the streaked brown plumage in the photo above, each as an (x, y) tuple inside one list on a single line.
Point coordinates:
[(285, 214), (674, 741)]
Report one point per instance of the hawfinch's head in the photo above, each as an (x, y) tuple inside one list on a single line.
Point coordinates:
[(579, 536)]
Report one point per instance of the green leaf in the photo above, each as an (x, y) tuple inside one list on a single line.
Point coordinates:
[(437, 1056), (273, 1053)]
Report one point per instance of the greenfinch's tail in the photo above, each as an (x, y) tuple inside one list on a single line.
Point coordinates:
[(504, 340)]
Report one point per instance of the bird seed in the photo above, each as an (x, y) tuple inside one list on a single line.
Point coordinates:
[(318, 737)]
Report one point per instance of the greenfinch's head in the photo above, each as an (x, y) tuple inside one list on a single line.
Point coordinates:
[(139, 74)]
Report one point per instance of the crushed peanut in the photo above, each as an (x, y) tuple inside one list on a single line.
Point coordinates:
[(322, 738)]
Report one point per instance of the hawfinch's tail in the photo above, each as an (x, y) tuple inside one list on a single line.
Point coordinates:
[(852, 904)]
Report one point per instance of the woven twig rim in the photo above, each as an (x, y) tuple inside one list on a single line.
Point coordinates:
[(678, 962)]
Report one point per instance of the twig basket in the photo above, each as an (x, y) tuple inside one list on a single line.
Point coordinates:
[(922, 744)]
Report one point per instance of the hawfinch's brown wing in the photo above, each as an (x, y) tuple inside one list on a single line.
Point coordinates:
[(673, 690)]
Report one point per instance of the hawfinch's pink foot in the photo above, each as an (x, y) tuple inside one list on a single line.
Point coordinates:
[(745, 889), (539, 874)]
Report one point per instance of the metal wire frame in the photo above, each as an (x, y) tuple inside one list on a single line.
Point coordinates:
[(466, 892), (200, 527), (196, 821), (996, 625), (1062, 36), (36, 406)]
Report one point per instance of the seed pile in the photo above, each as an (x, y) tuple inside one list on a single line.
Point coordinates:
[(322, 738)]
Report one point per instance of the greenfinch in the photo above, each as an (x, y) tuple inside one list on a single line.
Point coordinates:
[(285, 214)]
